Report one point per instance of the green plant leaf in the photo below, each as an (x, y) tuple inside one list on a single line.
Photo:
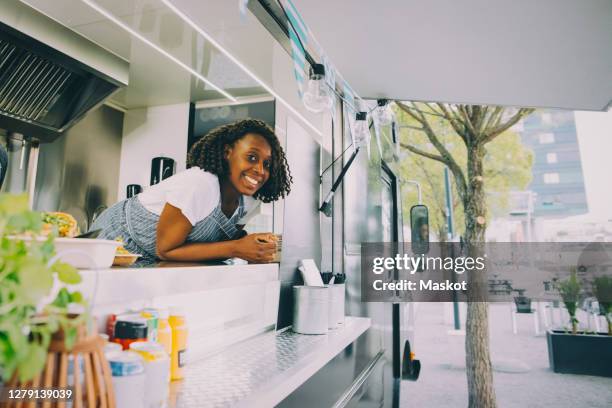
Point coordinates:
[(77, 297), (35, 281), (62, 299), (70, 335), (602, 286), (52, 324), (67, 273), (569, 288), (48, 248), (34, 362)]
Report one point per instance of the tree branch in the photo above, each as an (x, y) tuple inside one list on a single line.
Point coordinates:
[(405, 108), (411, 127), (454, 121), (437, 113), (490, 121), (501, 128), (480, 119), (423, 153), (467, 120), (498, 119), (445, 154)]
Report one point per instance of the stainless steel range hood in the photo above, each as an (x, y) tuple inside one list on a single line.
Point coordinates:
[(50, 76)]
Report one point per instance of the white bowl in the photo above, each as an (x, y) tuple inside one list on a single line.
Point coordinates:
[(85, 253)]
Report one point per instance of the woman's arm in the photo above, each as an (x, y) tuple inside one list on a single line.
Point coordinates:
[(173, 229)]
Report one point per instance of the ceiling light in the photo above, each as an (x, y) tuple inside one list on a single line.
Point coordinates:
[(317, 97), (242, 66), (136, 34)]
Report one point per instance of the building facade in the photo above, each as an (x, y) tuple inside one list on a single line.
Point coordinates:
[(558, 181)]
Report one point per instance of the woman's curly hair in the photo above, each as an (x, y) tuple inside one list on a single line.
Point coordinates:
[(208, 153)]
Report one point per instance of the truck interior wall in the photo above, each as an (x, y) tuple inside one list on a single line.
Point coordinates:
[(301, 226), (79, 172), (150, 132)]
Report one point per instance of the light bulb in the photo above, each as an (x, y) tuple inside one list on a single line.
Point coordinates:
[(361, 130), (383, 113), (317, 97)]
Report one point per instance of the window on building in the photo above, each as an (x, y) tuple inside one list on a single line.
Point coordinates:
[(546, 118), (547, 138), (551, 178), (551, 158)]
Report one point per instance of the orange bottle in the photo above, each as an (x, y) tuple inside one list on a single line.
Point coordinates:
[(178, 357), (164, 331)]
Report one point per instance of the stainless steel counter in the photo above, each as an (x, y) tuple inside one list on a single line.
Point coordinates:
[(263, 370)]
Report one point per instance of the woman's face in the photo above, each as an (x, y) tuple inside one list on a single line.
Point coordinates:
[(249, 161)]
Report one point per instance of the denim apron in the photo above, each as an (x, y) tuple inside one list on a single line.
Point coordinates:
[(137, 226)]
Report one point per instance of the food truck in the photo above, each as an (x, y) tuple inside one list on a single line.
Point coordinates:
[(103, 102), (101, 99)]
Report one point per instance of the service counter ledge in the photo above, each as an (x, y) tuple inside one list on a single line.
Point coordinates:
[(236, 357), (263, 370)]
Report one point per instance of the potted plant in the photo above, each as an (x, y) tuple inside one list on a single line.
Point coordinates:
[(569, 289), (29, 314), (573, 351), (602, 289)]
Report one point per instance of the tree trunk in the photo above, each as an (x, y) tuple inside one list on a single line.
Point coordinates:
[(478, 361)]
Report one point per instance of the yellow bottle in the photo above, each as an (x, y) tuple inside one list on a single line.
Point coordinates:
[(164, 332), (179, 343)]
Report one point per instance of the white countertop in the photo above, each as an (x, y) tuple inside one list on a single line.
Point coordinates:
[(263, 370), (121, 284)]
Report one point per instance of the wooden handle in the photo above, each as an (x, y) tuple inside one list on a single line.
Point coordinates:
[(63, 376), (110, 392), (99, 380), (89, 384), (35, 384), (78, 392), (48, 376)]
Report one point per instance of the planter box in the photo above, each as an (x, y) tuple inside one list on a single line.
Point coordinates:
[(523, 304), (589, 354)]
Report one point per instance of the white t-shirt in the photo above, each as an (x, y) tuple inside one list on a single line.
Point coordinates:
[(194, 191)]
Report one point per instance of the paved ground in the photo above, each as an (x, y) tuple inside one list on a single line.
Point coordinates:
[(443, 384)]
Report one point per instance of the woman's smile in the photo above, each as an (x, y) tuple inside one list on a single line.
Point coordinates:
[(253, 182)]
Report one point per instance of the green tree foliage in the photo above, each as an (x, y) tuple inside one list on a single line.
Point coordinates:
[(507, 167)]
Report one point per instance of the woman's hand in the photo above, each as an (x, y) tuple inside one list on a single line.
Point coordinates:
[(173, 229), (259, 248)]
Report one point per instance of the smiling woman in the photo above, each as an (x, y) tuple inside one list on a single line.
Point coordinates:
[(193, 215)]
